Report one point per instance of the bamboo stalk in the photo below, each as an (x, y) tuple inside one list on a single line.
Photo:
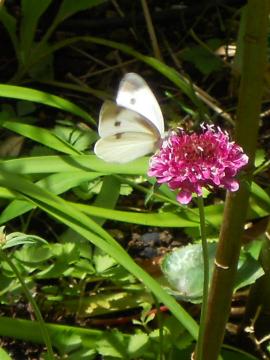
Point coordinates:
[(248, 112)]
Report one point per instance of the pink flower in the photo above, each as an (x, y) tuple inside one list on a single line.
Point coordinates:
[(189, 162)]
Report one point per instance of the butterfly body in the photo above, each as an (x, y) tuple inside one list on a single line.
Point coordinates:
[(133, 126)]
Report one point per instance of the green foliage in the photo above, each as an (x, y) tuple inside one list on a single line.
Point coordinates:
[(4, 355), (59, 190), (183, 269), (27, 50), (22, 93), (31, 12), (68, 8), (203, 58)]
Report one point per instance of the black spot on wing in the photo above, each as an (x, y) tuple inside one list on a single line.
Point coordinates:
[(117, 123), (132, 101)]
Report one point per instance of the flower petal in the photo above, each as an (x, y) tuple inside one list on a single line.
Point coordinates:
[(231, 185), (189, 162), (184, 197)]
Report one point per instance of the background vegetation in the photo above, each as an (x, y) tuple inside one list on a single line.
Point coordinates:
[(82, 240)]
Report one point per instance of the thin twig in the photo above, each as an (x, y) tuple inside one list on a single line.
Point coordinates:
[(151, 30), (89, 56), (122, 15), (110, 68)]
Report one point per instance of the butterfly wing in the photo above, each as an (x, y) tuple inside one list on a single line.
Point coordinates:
[(134, 94), (114, 119), (125, 147), (131, 128)]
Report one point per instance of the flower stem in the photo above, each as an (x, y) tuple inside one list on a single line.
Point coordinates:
[(205, 278), (34, 305)]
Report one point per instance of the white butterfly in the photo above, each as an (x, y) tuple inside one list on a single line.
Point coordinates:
[(131, 128)]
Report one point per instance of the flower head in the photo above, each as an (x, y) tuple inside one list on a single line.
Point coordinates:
[(189, 162)]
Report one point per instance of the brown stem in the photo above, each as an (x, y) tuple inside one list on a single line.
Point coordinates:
[(248, 111)]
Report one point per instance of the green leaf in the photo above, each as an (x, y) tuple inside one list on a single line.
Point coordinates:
[(137, 345), (30, 331), (57, 164), (55, 271), (67, 342), (64, 255), (34, 254), (102, 261), (16, 239), (227, 352), (83, 354), (202, 58), (4, 355), (42, 136), (67, 252), (79, 222), (260, 157), (81, 268), (183, 269), (43, 70), (6, 286), (113, 344), (254, 247), (167, 219), (236, 354), (259, 201), (56, 183), (69, 8), (249, 270), (80, 137), (176, 334), (31, 12), (108, 195), (10, 25), (22, 93)]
